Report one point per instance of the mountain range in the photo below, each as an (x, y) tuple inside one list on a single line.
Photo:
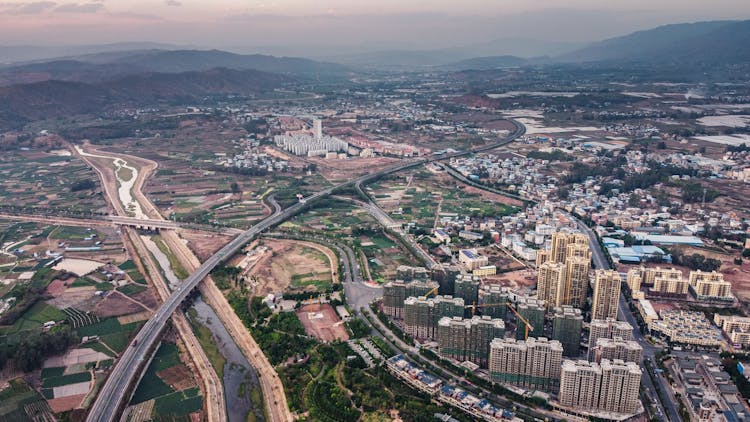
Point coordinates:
[(22, 103), (701, 42), (98, 78)]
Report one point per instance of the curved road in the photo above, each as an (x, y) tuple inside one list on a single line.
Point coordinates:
[(111, 398)]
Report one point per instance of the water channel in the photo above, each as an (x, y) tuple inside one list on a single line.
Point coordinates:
[(242, 390)]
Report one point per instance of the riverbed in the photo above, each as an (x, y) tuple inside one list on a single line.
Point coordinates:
[(240, 378), (124, 187)]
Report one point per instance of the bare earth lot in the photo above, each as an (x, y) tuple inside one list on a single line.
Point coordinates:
[(291, 265), (322, 322)]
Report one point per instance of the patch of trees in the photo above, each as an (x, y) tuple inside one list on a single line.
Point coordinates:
[(30, 353), (554, 155), (694, 192), (280, 336), (225, 276), (580, 173), (256, 126), (657, 173), (80, 185), (695, 261), (358, 327), (327, 402), (738, 148)]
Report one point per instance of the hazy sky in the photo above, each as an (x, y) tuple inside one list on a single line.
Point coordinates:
[(378, 23)]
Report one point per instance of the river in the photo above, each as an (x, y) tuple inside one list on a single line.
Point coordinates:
[(240, 379)]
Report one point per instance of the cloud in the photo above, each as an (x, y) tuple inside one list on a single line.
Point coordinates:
[(80, 8), (173, 3), (28, 8)]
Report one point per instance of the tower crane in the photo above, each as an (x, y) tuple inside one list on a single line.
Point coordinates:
[(474, 306), (431, 292), (522, 319)]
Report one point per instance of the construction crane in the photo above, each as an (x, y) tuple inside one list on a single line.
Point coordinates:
[(433, 291), (474, 306), (310, 303), (522, 319)]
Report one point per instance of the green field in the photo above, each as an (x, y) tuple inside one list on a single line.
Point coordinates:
[(111, 332), (151, 386), (34, 318), (179, 403), (321, 281), (27, 180), (73, 233), (99, 347), (53, 372), (132, 270), (168, 402), (14, 398), (66, 379), (128, 265), (131, 289)]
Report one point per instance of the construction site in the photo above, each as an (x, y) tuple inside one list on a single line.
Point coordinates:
[(321, 321)]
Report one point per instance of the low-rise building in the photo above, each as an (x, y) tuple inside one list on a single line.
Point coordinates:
[(687, 327), (471, 259), (710, 286)]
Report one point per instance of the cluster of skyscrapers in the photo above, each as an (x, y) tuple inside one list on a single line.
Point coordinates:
[(467, 322), (563, 277)]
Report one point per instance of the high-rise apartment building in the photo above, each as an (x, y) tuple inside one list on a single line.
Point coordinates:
[(550, 282), (395, 292), (609, 328), (421, 314), (318, 129), (407, 273), (532, 310), (567, 325), (468, 339), (606, 294), (609, 386), (561, 241), (576, 287), (567, 282), (496, 298), (651, 274), (635, 278), (625, 350), (710, 285), (533, 364), (467, 288), (670, 286)]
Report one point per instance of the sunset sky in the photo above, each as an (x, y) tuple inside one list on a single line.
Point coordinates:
[(397, 23)]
